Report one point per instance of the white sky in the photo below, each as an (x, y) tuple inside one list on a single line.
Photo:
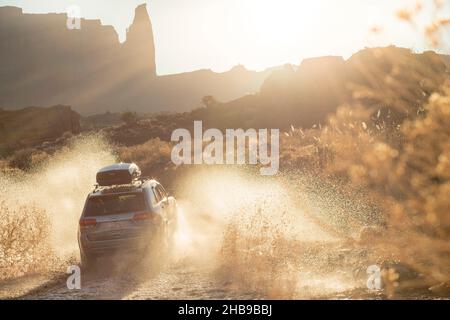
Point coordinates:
[(218, 34)]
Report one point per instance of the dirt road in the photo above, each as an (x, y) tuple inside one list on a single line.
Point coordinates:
[(259, 261), (179, 281)]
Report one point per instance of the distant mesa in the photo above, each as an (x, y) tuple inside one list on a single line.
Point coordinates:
[(44, 63), (307, 95)]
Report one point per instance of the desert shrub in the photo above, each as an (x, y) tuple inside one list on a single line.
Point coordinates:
[(28, 159), (403, 169), (139, 133), (24, 233), (423, 167), (151, 156), (130, 118), (22, 159), (420, 209)]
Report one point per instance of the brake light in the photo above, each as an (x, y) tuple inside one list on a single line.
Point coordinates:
[(87, 222), (142, 216)]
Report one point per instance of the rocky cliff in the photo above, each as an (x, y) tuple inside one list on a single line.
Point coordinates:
[(446, 60), (393, 80), (42, 62), (140, 46), (31, 126)]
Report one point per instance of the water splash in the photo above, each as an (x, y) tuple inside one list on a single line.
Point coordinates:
[(57, 190)]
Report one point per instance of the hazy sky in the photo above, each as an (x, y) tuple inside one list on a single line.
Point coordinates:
[(218, 34)]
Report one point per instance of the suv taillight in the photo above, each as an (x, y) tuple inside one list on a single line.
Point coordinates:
[(88, 222)]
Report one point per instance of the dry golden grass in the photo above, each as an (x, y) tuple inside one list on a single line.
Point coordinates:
[(433, 31), (404, 170), (23, 234), (152, 156)]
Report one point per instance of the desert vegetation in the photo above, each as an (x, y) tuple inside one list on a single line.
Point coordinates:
[(25, 246), (387, 150)]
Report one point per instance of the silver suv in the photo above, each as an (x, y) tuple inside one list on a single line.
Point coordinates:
[(125, 214)]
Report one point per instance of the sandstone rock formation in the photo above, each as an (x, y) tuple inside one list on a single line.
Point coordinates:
[(140, 46), (393, 80), (42, 62)]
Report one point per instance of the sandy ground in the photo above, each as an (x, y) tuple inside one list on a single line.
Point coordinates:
[(176, 282), (181, 280), (307, 262)]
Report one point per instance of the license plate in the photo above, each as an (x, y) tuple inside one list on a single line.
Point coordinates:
[(115, 225)]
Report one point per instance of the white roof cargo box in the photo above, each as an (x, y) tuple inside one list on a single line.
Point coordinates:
[(117, 174)]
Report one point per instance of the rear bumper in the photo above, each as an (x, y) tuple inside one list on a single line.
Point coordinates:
[(109, 247)]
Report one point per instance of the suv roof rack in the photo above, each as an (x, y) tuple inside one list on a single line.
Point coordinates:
[(117, 174), (136, 183)]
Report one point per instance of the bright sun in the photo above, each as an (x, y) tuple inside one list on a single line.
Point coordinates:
[(280, 20), (275, 29)]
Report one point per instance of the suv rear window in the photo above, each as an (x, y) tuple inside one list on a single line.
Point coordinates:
[(115, 204)]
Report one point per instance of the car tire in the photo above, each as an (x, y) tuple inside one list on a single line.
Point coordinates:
[(88, 262)]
